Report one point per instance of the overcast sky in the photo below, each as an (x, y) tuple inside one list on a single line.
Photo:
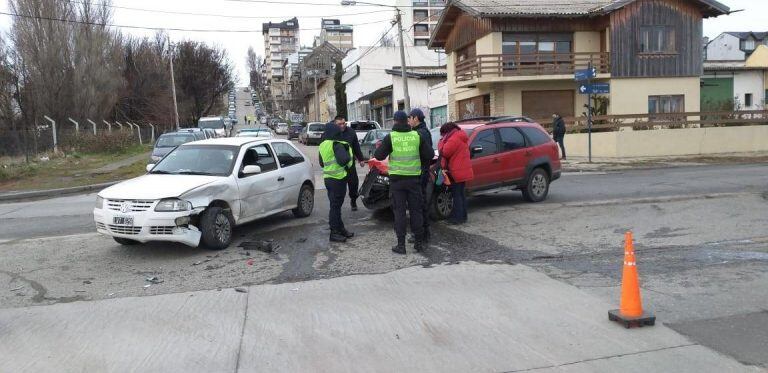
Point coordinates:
[(368, 27)]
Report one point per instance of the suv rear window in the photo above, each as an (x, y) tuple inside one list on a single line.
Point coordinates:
[(536, 136), (363, 126), (316, 127)]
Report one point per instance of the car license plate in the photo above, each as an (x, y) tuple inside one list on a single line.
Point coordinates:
[(123, 220)]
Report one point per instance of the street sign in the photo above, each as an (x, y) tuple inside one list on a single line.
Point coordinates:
[(594, 88), (586, 74)]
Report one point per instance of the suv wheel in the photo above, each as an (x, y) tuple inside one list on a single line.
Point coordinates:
[(216, 226), (306, 202), (538, 186), (441, 205)]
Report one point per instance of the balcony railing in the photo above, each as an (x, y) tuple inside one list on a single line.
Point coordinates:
[(509, 65)]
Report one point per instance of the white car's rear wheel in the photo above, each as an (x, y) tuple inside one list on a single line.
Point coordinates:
[(306, 202), (216, 226)]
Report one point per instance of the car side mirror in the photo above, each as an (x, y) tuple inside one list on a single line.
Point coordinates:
[(150, 167), (477, 149), (251, 170)]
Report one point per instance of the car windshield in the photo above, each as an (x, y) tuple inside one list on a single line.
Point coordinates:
[(215, 124), (436, 136), (316, 127), (198, 160), (380, 135), (363, 126), (170, 141)]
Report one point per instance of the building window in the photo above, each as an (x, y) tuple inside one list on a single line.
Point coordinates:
[(465, 53), (748, 99), (536, 43), (666, 104), (419, 15), (748, 45), (657, 39), (419, 28), (421, 42)]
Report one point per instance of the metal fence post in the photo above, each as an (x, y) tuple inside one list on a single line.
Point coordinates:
[(119, 124), (109, 125), (77, 126), (94, 126), (55, 139), (138, 131), (153, 132)]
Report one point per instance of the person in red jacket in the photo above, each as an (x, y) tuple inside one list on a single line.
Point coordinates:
[(454, 154)]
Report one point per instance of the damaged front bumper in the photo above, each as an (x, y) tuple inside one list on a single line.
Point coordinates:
[(149, 226)]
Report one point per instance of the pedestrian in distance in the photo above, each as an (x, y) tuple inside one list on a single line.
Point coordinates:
[(457, 168), (353, 182), (407, 153), (558, 132), (335, 159), (416, 121)]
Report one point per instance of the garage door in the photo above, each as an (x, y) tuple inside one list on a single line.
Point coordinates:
[(542, 104)]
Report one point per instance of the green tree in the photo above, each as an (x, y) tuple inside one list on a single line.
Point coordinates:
[(341, 91)]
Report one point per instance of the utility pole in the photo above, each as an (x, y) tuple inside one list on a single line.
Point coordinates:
[(173, 85), (406, 96), (317, 98)]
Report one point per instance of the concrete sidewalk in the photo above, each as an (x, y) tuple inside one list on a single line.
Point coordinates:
[(455, 318)]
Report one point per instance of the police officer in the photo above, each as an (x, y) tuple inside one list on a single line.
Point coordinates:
[(407, 153), (416, 121), (350, 136), (335, 158)]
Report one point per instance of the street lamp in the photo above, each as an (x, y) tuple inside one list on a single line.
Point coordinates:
[(398, 19)]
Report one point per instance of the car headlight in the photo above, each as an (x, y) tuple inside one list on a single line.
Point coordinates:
[(173, 205), (99, 202)]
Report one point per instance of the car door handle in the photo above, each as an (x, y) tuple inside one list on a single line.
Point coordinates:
[(280, 178)]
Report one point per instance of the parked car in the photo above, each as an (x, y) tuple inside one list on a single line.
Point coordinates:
[(197, 132), (215, 123), (167, 141), (281, 129), (210, 132), (507, 153), (201, 191), (372, 140), (312, 133), (255, 132), (362, 127), (294, 130)]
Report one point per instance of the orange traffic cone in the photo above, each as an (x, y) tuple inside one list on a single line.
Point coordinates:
[(630, 310)]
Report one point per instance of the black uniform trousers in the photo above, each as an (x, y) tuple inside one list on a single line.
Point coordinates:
[(353, 182), (406, 196), (337, 190), (424, 200)]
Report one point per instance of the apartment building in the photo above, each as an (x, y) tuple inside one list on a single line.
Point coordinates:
[(338, 35), (419, 19), (280, 41), (507, 57)]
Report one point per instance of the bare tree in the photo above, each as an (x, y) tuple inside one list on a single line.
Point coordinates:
[(203, 76), (387, 40), (146, 94)]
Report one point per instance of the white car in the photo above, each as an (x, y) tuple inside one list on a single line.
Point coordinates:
[(201, 190), (281, 129), (255, 132)]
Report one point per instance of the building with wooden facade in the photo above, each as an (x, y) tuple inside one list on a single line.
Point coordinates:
[(508, 57)]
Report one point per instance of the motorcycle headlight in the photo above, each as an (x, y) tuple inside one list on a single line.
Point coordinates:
[(173, 205), (99, 202)]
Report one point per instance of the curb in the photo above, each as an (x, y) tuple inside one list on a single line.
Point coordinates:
[(16, 196)]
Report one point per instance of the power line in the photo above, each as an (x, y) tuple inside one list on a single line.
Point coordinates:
[(376, 46), (221, 15), (162, 28)]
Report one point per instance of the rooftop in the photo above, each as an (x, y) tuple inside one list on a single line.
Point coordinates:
[(747, 34), (291, 24), (538, 8)]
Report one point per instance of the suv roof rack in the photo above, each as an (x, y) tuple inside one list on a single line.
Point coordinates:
[(511, 119)]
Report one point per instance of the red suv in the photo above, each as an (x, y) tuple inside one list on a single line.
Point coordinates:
[(507, 153)]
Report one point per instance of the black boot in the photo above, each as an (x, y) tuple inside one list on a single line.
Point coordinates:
[(418, 246), (344, 232), (337, 237), (399, 248)]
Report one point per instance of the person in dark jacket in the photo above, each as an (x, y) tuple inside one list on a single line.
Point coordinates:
[(350, 136), (335, 159), (407, 154), (558, 132), (416, 121), (455, 161)]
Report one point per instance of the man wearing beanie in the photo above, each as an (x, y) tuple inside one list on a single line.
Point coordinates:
[(407, 153), (416, 121)]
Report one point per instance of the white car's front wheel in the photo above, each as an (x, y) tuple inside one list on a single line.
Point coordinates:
[(216, 226), (306, 202)]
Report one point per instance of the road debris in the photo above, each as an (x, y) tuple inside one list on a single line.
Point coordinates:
[(154, 280), (212, 267), (295, 290), (197, 263), (267, 246), (249, 262), (87, 282), (147, 286), (18, 288), (301, 240), (241, 290)]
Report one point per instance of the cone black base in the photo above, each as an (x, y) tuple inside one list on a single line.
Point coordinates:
[(628, 322)]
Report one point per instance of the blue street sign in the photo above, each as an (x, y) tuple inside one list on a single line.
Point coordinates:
[(594, 88), (581, 75)]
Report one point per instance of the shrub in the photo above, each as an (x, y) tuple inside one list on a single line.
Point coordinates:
[(115, 142)]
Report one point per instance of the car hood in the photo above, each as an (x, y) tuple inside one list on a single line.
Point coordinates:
[(156, 186)]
